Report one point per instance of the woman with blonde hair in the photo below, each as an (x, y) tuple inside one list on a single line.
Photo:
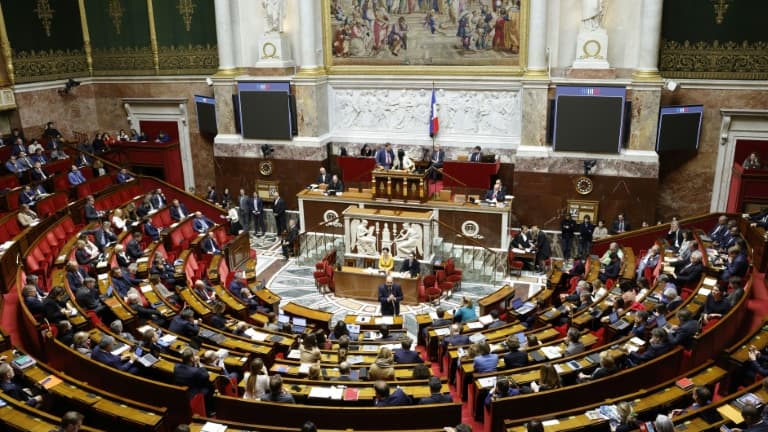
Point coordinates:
[(315, 373), (256, 380), (548, 379), (383, 368), (466, 312), (309, 351)]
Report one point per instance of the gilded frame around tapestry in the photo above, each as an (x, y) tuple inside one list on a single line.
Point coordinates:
[(372, 40)]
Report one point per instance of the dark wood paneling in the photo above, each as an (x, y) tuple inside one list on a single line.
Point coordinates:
[(541, 198), (294, 175)]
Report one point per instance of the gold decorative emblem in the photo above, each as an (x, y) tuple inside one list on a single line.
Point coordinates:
[(584, 185), (269, 51), (266, 168), (116, 12), (187, 10), (592, 49), (44, 13), (721, 7)]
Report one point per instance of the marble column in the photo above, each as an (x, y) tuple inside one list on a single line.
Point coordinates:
[(223, 89), (308, 19), (537, 41), (650, 37), (311, 105), (534, 120), (646, 103), (224, 35)]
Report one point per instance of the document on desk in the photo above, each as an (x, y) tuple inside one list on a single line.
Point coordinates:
[(475, 325), (304, 368), (487, 382), (320, 392), (388, 320), (213, 427), (294, 354), (442, 331), (704, 291), (710, 282), (551, 352)]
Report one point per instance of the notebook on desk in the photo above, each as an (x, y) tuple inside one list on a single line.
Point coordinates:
[(146, 360)]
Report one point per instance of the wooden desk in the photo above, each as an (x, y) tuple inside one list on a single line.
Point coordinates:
[(399, 185), (320, 319), (359, 284)]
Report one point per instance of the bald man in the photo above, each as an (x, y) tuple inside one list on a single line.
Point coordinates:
[(390, 296)]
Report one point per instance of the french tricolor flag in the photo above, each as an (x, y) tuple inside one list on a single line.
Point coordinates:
[(434, 124)]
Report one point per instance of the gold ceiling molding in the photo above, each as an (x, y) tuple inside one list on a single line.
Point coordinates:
[(123, 61), (714, 60), (116, 12), (189, 59), (49, 65), (45, 13), (187, 11), (721, 7)]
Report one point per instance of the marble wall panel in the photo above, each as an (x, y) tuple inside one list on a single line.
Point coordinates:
[(71, 112), (534, 116), (645, 113)]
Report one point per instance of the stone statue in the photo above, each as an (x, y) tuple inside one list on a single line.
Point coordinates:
[(592, 13), (273, 15), (365, 238), (409, 241)]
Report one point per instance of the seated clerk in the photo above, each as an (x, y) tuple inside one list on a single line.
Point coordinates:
[(737, 264), (133, 247), (75, 177), (658, 345), (192, 374), (276, 391), (607, 367), (504, 387), (75, 275), (209, 244), (185, 324), (523, 239), (31, 300), (204, 292), (124, 176), (201, 224), (610, 271), (103, 353), (476, 155), (684, 333), (323, 177), (335, 184), (496, 194), (411, 265), (436, 394), (405, 354), (384, 398), (151, 230), (514, 358), (692, 271), (122, 282), (13, 389), (485, 361), (178, 211)]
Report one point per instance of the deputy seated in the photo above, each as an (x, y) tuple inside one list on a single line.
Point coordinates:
[(103, 353), (335, 185), (12, 387)]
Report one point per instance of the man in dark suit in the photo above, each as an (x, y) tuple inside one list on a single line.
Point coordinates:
[(541, 244), (201, 224), (344, 373), (385, 157), (244, 210), (133, 248), (692, 271), (290, 238), (158, 199), (150, 229), (37, 172), (335, 184), (658, 345), (405, 354), (737, 264), (90, 212), (620, 225), (390, 296), (514, 358), (122, 282), (103, 235), (454, 339), (567, 229), (684, 333), (13, 389), (123, 176), (437, 396), (256, 210), (204, 292), (209, 244), (719, 230), (436, 160), (103, 353), (191, 374), (87, 296), (523, 239), (185, 324), (278, 208), (28, 196), (496, 194), (611, 271), (75, 275), (760, 219), (178, 211), (496, 321), (411, 265), (384, 398), (322, 178), (674, 236), (476, 155)]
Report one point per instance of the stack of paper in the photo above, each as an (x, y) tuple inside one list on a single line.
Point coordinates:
[(551, 352), (213, 427)]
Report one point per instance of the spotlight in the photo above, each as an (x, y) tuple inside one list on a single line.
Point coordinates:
[(671, 86), (68, 86), (266, 150), (209, 81)]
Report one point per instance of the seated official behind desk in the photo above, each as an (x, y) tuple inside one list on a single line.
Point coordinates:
[(497, 194), (335, 185), (476, 155)]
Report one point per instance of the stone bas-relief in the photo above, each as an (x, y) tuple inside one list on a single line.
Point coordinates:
[(488, 113)]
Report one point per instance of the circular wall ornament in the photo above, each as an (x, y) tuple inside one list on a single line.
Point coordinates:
[(470, 229), (592, 49), (584, 185), (268, 50), (266, 168)]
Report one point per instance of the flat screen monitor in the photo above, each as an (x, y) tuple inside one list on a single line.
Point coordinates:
[(265, 111), (589, 119), (206, 114), (679, 128)]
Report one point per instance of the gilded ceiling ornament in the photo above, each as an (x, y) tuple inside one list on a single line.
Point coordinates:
[(186, 10), (116, 12), (721, 7), (44, 13)]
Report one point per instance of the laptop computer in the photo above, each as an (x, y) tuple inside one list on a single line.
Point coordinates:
[(299, 324), (109, 291), (517, 302), (525, 308), (146, 360)]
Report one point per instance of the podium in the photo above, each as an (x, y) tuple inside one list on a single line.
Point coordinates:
[(399, 185)]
